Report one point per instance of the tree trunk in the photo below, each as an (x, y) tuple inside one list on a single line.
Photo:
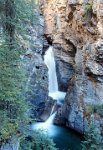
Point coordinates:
[(9, 26)]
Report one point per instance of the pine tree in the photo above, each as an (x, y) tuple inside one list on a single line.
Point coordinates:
[(93, 139), (14, 15)]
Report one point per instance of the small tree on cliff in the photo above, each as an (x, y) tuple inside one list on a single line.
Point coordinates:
[(93, 139)]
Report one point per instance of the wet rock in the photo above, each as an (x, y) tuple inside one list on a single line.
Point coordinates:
[(49, 108), (65, 72), (59, 118)]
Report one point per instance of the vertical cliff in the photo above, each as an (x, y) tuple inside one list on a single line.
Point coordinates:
[(75, 30)]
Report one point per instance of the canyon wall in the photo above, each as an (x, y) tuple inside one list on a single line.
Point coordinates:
[(75, 30), (36, 71)]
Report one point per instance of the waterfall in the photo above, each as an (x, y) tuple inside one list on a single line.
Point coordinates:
[(44, 125), (63, 138), (50, 119), (50, 63), (53, 84), (53, 88)]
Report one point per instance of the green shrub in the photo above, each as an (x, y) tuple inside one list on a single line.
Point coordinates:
[(99, 109), (88, 12), (37, 141), (95, 109)]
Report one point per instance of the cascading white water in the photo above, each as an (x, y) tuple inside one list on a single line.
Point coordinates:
[(50, 62), (46, 124), (53, 84), (50, 119)]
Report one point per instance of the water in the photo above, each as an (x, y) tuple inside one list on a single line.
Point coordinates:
[(59, 96), (64, 138), (53, 84), (44, 125)]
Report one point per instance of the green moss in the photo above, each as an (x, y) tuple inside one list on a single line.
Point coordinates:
[(88, 12), (99, 109), (95, 109)]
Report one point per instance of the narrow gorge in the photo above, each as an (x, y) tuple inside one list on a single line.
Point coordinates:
[(62, 60)]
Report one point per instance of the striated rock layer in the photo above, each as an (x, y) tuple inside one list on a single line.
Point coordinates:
[(75, 29)]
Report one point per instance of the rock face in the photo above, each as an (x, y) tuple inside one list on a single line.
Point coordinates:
[(65, 72), (37, 82), (36, 70), (75, 30)]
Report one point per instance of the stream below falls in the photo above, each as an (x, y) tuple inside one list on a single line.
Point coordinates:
[(64, 138)]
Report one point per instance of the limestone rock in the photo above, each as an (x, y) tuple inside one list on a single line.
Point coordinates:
[(65, 72), (37, 82)]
